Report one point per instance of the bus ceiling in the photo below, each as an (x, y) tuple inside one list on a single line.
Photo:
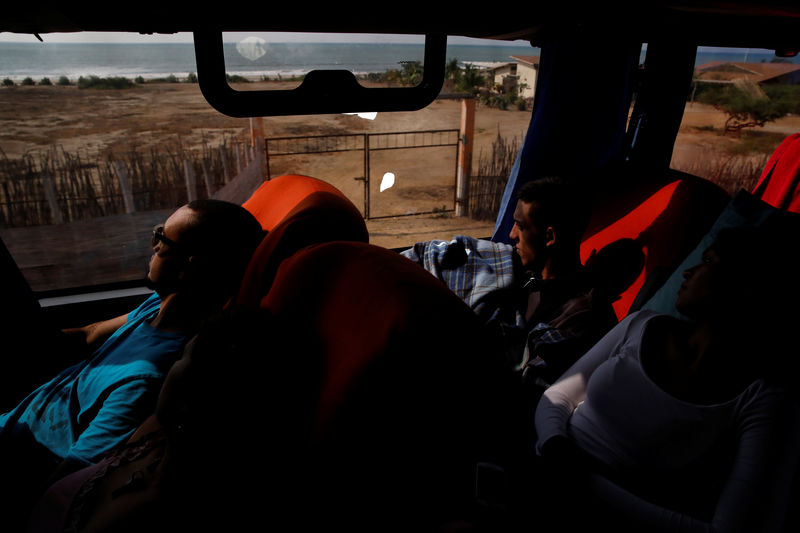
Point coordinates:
[(716, 20)]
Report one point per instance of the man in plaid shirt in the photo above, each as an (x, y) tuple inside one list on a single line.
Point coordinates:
[(535, 295)]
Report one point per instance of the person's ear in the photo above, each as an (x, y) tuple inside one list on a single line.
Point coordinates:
[(189, 268), (550, 236)]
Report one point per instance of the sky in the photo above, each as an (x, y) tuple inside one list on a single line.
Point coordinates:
[(100, 37)]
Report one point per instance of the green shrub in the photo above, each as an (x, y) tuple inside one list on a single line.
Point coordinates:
[(471, 79), (167, 79), (45, 81), (64, 81), (744, 109), (235, 78), (411, 72), (28, 81), (191, 78), (8, 82), (95, 82), (787, 95)]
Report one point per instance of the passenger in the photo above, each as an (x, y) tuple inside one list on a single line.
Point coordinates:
[(536, 297), (180, 470), (686, 426), (561, 312), (200, 254)]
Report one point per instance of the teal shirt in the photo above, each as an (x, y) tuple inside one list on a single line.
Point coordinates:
[(93, 406)]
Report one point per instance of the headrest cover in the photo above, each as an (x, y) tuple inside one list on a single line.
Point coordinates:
[(320, 217), (275, 198)]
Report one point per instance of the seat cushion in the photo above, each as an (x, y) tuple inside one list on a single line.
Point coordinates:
[(744, 210), (321, 216), (275, 198), (406, 397), (667, 221)]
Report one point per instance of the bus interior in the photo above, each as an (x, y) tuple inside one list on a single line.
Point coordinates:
[(612, 87)]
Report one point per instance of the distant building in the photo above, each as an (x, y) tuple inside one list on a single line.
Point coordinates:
[(758, 73), (527, 69), (499, 73), (520, 73)]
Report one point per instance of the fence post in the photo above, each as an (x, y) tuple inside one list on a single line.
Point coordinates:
[(238, 158), (125, 186), (266, 160), (52, 200), (366, 175), (207, 178), (259, 146), (191, 181), (466, 136), (224, 157), (256, 130), (259, 155)]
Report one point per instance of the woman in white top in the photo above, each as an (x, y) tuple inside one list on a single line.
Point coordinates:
[(674, 425)]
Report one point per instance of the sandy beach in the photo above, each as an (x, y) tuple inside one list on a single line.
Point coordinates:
[(35, 118)]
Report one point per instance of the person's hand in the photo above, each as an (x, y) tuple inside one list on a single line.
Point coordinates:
[(564, 467), (564, 460), (560, 450)]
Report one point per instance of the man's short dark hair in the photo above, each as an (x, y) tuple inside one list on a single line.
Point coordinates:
[(223, 239), (559, 203)]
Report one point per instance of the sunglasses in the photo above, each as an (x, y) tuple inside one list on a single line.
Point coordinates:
[(158, 236)]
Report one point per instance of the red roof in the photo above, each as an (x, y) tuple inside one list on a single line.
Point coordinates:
[(529, 60), (757, 72)]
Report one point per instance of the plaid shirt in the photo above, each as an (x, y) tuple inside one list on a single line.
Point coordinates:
[(471, 268)]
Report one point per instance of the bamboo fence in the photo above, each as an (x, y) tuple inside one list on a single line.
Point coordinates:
[(56, 186), (487, 185)]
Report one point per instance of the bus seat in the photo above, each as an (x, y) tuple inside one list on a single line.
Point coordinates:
[(275, 198), (780, 179), (666, 217), (319, 216), (408, 400), (743, 210)]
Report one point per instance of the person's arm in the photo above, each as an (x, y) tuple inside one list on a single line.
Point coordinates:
[(754, 498), (122, 411), (560, 399), (95, 334), (556, 345), (755, 495)]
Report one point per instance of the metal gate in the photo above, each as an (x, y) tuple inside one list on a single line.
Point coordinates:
[(365, 143)]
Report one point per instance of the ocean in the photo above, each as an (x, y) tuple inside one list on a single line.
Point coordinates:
[(151, 60), (256, 59)]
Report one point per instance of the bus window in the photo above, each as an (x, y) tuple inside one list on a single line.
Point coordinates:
[(285, 59), (105, 134), (742, 104)]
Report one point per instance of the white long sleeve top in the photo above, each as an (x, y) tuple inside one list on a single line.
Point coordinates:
[(676, 466)]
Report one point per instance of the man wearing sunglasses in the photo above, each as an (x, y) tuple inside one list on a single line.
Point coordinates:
[(199, 257)]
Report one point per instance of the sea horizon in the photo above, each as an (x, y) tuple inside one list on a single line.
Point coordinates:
[(272, 60), (157, 60)]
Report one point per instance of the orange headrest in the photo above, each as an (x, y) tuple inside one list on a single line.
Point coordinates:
[(779, 184), (320, 216), (667, 223), (275, 198)]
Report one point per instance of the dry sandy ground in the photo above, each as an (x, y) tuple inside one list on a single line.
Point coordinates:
[(92, 121), (37, 117)]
